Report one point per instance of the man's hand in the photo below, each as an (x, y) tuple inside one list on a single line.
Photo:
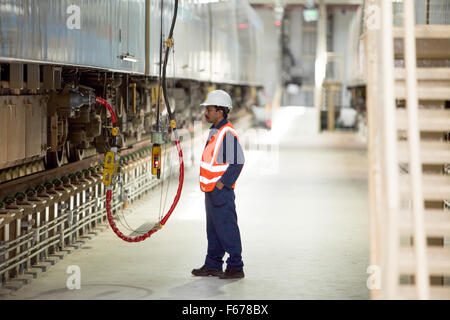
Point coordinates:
[(219, 185)]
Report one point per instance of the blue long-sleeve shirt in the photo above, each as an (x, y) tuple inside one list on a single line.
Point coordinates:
[(230, 152)]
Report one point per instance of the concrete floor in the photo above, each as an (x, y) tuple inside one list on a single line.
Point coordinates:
[(304, 228)]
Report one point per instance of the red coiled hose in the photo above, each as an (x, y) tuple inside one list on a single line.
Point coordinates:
[(177, 143), (165, 218), (109, 191)]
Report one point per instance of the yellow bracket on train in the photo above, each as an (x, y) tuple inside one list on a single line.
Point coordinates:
[(110, 167), (112, 161)]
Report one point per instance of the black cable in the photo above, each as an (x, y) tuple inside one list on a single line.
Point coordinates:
[(166, 58), (160, 67)]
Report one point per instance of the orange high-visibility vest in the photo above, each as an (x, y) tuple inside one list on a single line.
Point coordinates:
[(210, 170)]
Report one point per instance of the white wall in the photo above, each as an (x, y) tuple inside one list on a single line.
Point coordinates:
[(270, 53), (342, 23)]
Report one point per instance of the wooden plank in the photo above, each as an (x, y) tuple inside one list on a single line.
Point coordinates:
[(432, 152), (435, 187), (436, 293), (429, 120), (437, 223), (425, 74), (426, 49), (430, 31), (426, 90), (438, 260)]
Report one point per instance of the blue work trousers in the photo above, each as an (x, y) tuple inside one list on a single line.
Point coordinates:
[(222, 230)]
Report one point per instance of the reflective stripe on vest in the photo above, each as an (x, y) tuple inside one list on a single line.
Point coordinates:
[(210, 170)]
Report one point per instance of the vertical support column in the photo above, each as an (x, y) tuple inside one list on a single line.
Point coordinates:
[(50, 217), (373, 143), (90, 208), (29, 245), (17, 234), (77, 216), (331, 91), (102, 203), (7, 253), (63, 213), (37, 239), (321, 59), (391, 170), (46, 233), (2, 249), (415, 165), (43, 233), (71, 220), (96, 205), (84, 214)]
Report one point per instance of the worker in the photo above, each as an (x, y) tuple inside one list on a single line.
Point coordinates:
[(221, 165)]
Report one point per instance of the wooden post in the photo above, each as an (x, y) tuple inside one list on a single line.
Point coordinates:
[(415, 165), (331, 108), (373, 148), (389, 141), (321, 59)]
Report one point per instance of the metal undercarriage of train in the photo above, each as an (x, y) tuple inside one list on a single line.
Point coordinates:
[(61, 63)]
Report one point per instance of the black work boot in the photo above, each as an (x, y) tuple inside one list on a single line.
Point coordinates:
[(206, 272), (232, 274)]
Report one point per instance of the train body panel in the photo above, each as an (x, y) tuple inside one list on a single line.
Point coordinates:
[(85, 33), (155, 35), (210, 42), (192, 42), (224, 41)]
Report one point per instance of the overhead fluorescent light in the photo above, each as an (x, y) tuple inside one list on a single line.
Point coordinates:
[(128, 57), (207, 1), (310, 14), (279, 12)]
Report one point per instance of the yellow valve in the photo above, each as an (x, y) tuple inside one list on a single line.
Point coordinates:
[(169, 42), (156, 160), (173, 124), (115, 131)]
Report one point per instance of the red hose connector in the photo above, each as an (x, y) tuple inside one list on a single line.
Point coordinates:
[(166, 217), (108, 106)]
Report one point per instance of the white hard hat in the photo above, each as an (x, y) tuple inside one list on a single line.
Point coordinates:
[(218, 98)]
